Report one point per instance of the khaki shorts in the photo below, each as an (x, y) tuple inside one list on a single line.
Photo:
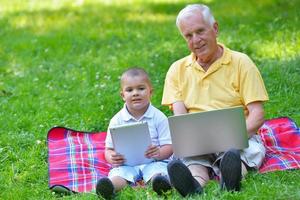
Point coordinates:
[(252, 157)]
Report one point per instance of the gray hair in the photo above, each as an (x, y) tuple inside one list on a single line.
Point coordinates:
[(191, 9)]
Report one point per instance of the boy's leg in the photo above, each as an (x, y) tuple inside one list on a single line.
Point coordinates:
[(119, 183), (153, 169), (120, 176), (117, 179), (158, 174), (105, 188), (161, 184)]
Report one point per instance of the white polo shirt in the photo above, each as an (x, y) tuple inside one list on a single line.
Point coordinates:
[(157, 123)]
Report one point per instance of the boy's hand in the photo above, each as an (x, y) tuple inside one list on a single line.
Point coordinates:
[(116, 159), (152, 152)]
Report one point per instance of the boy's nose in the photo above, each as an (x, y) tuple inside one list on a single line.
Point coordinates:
[(135, 93)]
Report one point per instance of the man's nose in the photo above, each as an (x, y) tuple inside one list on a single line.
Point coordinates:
[(196, 37)]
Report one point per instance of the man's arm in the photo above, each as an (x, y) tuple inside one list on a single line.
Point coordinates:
[(179, 108), (255, 118)]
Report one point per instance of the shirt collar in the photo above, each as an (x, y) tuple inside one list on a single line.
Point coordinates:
[(127, 116), (225, 58)]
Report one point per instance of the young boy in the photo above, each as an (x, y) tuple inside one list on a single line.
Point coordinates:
[(136, 91)]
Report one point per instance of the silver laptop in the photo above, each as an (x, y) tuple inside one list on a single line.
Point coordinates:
[(132, 140), (208, 132)]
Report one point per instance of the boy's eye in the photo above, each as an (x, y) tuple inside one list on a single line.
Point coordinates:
[(128, 89), (141, 88)]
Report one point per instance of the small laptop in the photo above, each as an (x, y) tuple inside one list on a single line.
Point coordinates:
[(132, 140), (208, 132)]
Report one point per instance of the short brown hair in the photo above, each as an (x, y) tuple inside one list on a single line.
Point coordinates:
[(135, 71)]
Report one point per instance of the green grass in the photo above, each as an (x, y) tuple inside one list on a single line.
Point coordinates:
[(60, 63)]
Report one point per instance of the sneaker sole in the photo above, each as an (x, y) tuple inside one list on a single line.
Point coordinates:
[(105, 188), (230, 168), (161, 185), (182, 179)]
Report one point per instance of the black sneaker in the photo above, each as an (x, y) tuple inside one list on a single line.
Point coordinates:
[(61, 190), (231, 170), (182, 179), (161, 184), (105, 188)]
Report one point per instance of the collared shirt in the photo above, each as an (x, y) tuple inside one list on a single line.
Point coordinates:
[(232, 80), (157, 123)]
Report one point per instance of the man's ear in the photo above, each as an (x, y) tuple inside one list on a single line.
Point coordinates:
[(216, 28)]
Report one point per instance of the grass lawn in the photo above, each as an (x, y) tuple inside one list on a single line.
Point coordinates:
[(60, 62)]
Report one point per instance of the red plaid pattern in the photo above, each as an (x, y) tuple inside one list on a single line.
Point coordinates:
[(76, 159), (281, 137)]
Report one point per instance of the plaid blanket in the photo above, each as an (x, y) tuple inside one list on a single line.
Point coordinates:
[(281, 137), (76, 159)]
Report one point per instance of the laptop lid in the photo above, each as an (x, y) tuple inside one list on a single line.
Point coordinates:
[(208, 132), (132, 140)]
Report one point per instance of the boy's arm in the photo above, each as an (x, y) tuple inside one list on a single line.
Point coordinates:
[(113, 157), (159, 153)]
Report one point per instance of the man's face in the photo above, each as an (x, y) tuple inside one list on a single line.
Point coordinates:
[(200, 36)]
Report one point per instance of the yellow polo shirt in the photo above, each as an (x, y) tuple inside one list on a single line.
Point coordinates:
[(232, 80)]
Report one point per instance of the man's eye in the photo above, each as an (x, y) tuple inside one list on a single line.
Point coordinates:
[(200, 31), (188, 36)]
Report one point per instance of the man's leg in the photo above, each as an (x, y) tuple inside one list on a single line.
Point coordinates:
[(182, 179), (244, 170), (231, 170), (200, 173)]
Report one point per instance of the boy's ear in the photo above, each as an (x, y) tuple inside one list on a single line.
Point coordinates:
[(122, 95), (151, 91)]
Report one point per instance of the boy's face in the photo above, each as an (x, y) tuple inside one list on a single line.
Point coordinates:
[(136, 92)]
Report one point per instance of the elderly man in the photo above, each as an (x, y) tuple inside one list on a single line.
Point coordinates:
[(213, 77)]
